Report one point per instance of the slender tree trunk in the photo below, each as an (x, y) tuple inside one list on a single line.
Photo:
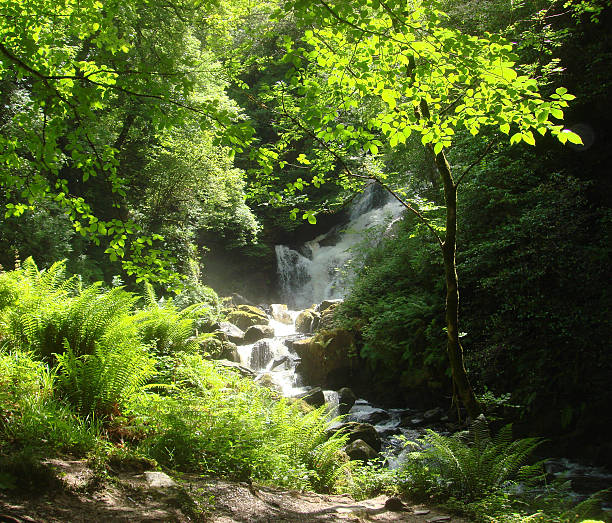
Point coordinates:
[(461, 382)]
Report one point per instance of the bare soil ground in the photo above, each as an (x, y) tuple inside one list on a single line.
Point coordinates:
[(137, 496)]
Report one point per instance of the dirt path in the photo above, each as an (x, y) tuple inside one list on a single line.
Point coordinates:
[(155, 497)]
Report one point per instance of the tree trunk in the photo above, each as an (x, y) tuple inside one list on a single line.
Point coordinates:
[(461, 382)]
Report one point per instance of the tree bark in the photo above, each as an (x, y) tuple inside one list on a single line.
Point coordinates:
[(454, 349)]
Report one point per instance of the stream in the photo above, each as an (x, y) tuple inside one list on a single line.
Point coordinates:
[(320, 270)]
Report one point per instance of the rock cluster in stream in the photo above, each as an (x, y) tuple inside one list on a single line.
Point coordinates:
[(324, 356)]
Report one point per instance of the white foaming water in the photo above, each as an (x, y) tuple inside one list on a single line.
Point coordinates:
[(318, 272), (272, 360)]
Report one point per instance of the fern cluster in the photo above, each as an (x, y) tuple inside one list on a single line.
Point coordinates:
[(52, 309), (469, 467), (164, 327)]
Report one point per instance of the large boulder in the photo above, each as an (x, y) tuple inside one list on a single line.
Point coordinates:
[(280, 313), (244, 316), (362, 431), (231, 332), (230, 352), (307, 321), (326, 358), (326, 304), (327, 320), (314, 397), (257, 332), (360, 450)]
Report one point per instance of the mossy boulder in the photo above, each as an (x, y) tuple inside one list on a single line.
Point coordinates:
[(245, 316), (307, 321), (327, 358), (257, 332), (327, 320), (361, 451)]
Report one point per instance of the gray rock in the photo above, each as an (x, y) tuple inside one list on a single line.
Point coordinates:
[(256, 333), (346, 400), (233, 333), (245, 372), (373, 416), (360, 450), (314, 397), (433, 415), (156, 479)]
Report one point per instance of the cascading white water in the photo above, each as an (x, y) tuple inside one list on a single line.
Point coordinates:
[(317, 270)]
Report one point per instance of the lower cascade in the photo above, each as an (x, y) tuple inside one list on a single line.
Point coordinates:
[(275, 365)]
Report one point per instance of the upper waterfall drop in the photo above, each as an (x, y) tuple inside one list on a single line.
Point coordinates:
[(314, 272)]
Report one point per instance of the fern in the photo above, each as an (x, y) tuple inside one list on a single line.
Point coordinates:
[(449, 466), (165, 328), (101, 382), (52, 308)]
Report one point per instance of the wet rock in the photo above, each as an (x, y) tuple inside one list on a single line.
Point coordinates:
[(326, 304), (373, 416), (261, 354), (244, 316), (327, 321), (231, 331), (360, 450), (280, 313), (346, 399), (413, 421), (307, 321), (230, 352), (245, 372), (314, 397), (256, 333), (362, 431)]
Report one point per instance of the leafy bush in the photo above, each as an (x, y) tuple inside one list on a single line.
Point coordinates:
[(102, 382), (165, 328), (52, 309)]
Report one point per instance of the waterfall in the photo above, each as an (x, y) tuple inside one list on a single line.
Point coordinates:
[(319, 269)]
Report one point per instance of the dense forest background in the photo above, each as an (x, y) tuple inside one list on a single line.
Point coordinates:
[(131, 143)]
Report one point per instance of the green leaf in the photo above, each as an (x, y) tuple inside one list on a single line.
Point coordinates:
[(438, 148), (388, 96), (572, 137)]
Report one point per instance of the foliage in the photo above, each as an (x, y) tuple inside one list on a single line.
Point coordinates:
[(219, 424), (451, 467), (84, 86), (32, 417), (168, 330), (100, 383), (395, 303), (52, 310)]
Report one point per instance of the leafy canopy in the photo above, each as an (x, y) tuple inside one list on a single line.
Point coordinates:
[(423, 77)]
